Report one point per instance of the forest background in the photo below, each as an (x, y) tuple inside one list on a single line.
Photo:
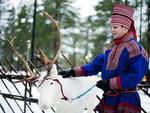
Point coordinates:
[(82, 38)]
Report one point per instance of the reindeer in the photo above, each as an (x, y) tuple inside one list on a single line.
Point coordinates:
[(57, 91)]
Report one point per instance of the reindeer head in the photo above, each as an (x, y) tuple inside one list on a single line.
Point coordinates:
[(48, 89)]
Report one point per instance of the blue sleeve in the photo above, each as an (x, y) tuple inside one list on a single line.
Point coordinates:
[(137, 69), (95, 66)]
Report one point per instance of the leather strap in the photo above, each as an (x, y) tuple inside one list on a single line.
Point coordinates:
[(115, 92)]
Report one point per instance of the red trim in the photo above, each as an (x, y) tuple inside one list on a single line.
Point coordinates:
[(115, 83), (115, 51), (82, 71), (79, 71), (133, 30), (121, 20), (133, 48), (114, 55), (145, 54), (118, 82), (130, 106), (123, 10), (109, 107)]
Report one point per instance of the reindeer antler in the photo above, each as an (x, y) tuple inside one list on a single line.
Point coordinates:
[(69, 62), (20, 56), (44, 59)]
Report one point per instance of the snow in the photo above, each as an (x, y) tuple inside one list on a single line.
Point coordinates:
[(145, 100)]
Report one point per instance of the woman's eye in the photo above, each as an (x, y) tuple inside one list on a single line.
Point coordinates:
[(51, 83)]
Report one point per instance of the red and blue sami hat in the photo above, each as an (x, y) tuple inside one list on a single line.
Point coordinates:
[(123, 15)]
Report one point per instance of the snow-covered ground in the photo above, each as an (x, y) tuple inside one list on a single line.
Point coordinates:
[(145, 100)]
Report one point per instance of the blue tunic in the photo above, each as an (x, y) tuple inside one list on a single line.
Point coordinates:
[(124, 65)]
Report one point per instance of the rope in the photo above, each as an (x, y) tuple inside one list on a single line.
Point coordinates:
[(79, 96)]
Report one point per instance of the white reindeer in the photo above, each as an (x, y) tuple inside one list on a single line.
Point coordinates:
[(51, 95)]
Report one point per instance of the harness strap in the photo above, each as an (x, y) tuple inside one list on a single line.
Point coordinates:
[(115, 92), (64, 97)]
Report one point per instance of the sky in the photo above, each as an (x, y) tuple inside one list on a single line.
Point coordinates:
[(86, 6)]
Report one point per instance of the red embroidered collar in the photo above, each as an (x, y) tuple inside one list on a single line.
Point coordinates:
[(117, 41)]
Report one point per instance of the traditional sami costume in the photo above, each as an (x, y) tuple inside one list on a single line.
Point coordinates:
[(124, 64)]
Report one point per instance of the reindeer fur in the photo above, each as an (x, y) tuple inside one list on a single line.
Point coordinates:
[(50, 93)]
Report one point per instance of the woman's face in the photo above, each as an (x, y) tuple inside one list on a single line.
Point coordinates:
[(118, 30)]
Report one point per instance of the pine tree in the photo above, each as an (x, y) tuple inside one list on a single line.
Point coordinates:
[(46, 33), (101, 31), (18, 28)]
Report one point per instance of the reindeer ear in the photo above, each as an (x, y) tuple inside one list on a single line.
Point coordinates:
[(54, 72)]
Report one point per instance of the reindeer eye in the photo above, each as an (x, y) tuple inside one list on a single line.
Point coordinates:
[(51, 83)]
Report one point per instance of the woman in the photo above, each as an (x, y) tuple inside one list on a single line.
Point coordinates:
[(123, 65)]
